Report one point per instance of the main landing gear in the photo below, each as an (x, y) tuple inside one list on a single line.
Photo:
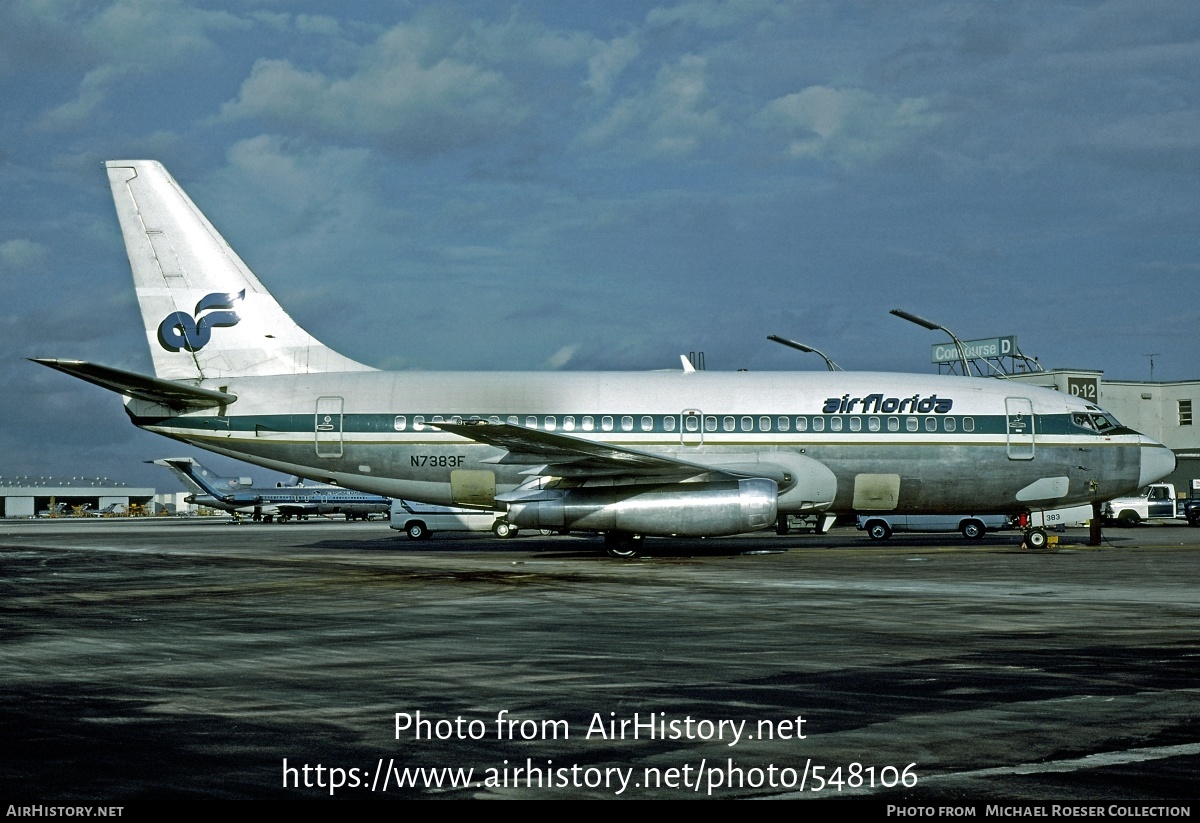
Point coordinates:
[(623, 545)]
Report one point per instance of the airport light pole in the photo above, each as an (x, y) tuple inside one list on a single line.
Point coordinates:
[(929, 324), (829, 364)]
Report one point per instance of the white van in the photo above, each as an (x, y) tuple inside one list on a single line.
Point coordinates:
[(972, 526), (420, 520)]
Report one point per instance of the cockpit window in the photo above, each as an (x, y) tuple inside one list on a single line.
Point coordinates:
[(1094, 420), (1083, 421)]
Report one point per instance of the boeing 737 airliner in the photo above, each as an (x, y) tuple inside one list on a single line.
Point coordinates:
[(627, 454)]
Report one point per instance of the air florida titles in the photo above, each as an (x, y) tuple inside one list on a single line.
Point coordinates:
[(878, 404)]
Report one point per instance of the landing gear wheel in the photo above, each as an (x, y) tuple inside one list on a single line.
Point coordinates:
[(973, 530), (623, 546), (416, 530), (878, 530), (503, 529), (782, 526), (1036, 538)]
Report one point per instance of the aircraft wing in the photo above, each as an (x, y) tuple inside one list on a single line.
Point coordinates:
[(567, 456)]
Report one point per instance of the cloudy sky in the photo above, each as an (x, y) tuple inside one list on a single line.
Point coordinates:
[(604, 185)]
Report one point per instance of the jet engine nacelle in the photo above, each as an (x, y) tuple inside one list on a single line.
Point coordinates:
[(686, 509)]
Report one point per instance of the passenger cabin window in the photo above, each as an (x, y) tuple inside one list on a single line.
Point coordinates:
[(569, 423), (855, 424), (782, 422), (512, 420), (606, 423), (456, 419), (893, 424), (531, 422), (764, 424), (802, 424), (419, 422), (930, 424), (747, 424), (691, 423), (949, 424), (873, 424), (669, 424), (818, 424), (588, 423), (911, 424), (710, 424), (968, 424), (728, 423), (400, 422), (495, 418), (647, 423), (835, 424), (627, 423), (551, 422)]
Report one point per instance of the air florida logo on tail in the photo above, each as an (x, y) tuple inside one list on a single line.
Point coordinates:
[(879, 404), (180, 330)]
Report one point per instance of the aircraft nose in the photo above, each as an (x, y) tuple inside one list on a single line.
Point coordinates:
[(1157, 462)]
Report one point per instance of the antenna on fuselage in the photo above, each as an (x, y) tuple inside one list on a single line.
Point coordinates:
[(829, 364)]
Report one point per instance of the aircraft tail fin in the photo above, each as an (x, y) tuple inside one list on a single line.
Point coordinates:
[(197, 477), (205, 313)]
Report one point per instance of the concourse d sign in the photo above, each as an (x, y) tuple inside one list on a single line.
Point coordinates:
[(976, 349)]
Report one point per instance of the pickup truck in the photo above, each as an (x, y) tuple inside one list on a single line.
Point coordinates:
[(1155, 502)]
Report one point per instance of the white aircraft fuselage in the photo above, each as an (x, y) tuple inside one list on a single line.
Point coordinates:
[(667, 453)]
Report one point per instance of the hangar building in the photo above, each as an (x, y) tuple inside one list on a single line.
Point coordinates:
[(31, 496)]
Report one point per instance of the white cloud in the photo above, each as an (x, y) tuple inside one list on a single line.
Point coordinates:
[(293, 177), (93, 92), (711, 14), (128, 37), (407, 93), (849, 126), (671, 119), (20, 255), (608, 62)]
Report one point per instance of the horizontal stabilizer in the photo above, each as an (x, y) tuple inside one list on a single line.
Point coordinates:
[(178, 396)]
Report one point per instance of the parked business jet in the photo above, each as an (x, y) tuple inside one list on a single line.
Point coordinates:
[(627, 454), (239, 495)]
